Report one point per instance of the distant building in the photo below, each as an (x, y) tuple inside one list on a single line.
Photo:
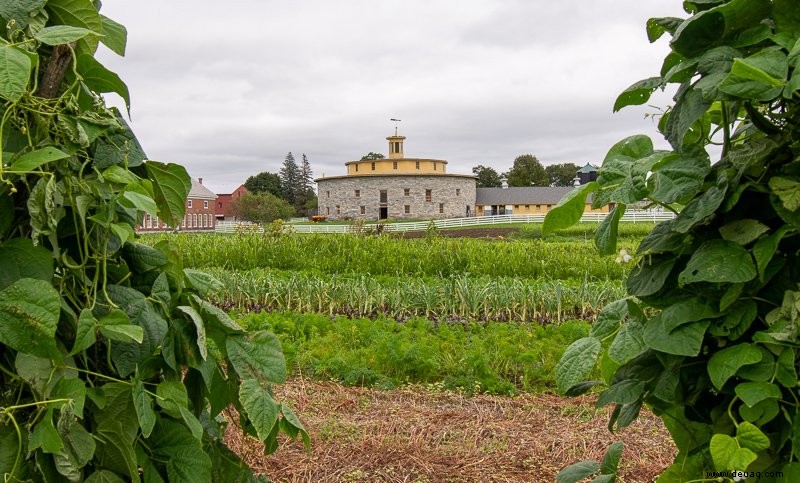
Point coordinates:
[(396, 187), (587, 174), (199, 212), (527, 200), (224, 204)]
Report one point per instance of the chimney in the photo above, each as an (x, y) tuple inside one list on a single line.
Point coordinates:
[(200, 180), (504, 182)]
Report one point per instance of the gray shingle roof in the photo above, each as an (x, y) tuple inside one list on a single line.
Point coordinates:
[(588, 169), (525, 195), (199, 191)]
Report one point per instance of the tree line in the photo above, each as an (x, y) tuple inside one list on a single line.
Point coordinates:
[(527, 170), (281, 195)]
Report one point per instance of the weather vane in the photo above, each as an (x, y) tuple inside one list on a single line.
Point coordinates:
[(395, 121)]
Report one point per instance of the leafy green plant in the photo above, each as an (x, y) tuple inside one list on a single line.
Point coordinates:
[(708, 335), (113, 366)]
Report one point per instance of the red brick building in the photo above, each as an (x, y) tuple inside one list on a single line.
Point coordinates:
[(199, 212), (224, 204)]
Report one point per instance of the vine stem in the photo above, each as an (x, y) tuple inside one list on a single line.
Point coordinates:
[(33, 404)]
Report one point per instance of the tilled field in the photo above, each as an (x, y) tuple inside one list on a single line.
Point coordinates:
[(422, 434)]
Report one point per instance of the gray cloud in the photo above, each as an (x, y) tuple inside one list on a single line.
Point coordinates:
[(227, 89)]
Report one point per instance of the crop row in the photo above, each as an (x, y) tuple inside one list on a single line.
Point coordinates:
[(400, 297), (383, 255), (499, 358)]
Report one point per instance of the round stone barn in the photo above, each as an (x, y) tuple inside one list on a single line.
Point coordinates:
[(396, 187)]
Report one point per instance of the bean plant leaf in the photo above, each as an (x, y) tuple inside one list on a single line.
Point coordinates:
[(171, 185), (45, 436), (761, 76), (788, 190), (689, 107), (724, 364), (260, 407), (29, 311), (257, 356), (649, 276), (186, 462), (639, 93), (743, 231), (34, 159), (20, 10), (576, 363), (686, 340), (719, 261), (611, 459), (656, 27), (629, 343), (605, 237), (609, 319), (99, 79), (569, 209), (115, 35), (752, 393), (750, 437), (578, 471), (677, 178), (62, 34), (728, 455), (20, 259), (15, 70), (77, 13), (144, 408), (104, 476)]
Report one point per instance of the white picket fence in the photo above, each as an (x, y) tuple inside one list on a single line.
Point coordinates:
[(634, 216)]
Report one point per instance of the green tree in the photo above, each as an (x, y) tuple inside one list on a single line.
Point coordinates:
[(527, 171), (262, 208), (487, 177), (562, 174), (106, 366), (306, 197), (290, 179), (371, 155), (707, 337), (264, 182)]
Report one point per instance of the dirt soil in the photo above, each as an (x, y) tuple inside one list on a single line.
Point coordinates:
[(422, 434), (476, 232)]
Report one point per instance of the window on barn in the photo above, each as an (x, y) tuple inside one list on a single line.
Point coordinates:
[(394, 164), (373, 166), (407, 192), (205, 205), (407, 209), (458, 191), (189, 204), (363, 210), (441, 207), (358, 193), (417, 164), (428, 195), (338, 211)]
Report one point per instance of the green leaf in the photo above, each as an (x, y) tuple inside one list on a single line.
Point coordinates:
[(686, 340), (578, 471), (116, 325), (649, 276), (609, 319), (624, 392), (143, 258), (569, 209), (260, 407), (186, 462), (191, 422), (787, 373), (712, 27), (761, 76), (21, 11), (137, 197), (577, 362), (656, 27), (765, 249), (85, 336), (639, 93), (725, 363), (752, 393), (79, 448), (728, 455), (628, 344), (699, 210), (77, 13), (99, 79), (751, 437), (171, 185), (605, 237), (32, 160), (761, 413), (15, 70), (719, 261), (62, 34), (743, 231), (144, 408), (171, 396), (622, 179), (788, 190), (115, 35), (142, 313), (611, 459), (291, 418), (257, 356), (29, 311), (46, 436), (202, 282), (71, 388), (20, 259), (104, 476), (200, 328), (678, 178), (685, 311), (689, 107)]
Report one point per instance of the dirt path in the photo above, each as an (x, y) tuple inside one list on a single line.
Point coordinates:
[(417, 434)]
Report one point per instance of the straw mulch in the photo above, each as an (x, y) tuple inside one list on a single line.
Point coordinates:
[(416, 434)]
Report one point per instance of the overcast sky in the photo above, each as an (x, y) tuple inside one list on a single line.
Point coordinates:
[(228, 88)]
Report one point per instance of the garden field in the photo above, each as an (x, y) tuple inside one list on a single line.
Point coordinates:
[(400, 346)]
